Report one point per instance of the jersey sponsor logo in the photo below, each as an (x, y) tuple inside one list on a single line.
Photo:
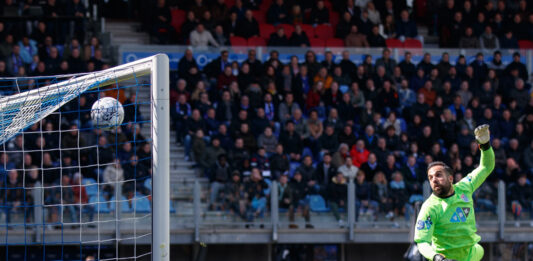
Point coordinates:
[(460, 215), (421, 224), (469, 178), (464, 197)]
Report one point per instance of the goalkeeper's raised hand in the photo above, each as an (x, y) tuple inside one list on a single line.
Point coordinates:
[(439, 257), (482, 135)]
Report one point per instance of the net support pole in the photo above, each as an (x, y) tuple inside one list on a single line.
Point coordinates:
[(351, 209), (160, 158), (274, 210), (501, 210), (38, 210)]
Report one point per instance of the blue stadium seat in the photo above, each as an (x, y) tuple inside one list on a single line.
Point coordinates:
[(124, 206), (99, 203), (267, 190), (90, 186), (141, 204), (172, 209), (148, 184), (317, 203)]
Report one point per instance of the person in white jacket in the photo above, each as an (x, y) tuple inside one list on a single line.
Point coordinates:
[(201, 37)]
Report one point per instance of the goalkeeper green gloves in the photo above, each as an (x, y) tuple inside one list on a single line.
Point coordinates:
[(439, 257), (483, 136)]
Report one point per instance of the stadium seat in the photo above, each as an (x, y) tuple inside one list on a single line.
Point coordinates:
[(141, 204), (525, 44), (148, 184), (316, 42), (317, 203), (256, 41), (238, 41), (90, 186), (229, 3), (333, 18), (265, 30), (394, 43), (324, 32), (412, 43), (334, 42), (99, 203), (172, 209), (178, 18), (289, 29), (309, 30), (259, 16), (124, 205)]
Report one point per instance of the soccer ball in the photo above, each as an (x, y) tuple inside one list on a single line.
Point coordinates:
[(107, 113)]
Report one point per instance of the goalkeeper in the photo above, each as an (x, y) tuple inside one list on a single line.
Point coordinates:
[(446, 225)]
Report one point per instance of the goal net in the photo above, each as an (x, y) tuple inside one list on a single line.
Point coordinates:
[(72, 190)]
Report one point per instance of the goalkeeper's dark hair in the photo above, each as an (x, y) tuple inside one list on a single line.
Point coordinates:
[(447, 168)]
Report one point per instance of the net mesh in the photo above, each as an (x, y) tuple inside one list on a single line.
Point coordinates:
[(70, 190)]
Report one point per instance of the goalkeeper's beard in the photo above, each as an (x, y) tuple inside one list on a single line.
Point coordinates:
[(442, 190)]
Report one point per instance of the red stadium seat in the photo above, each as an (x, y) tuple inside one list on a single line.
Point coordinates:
[(289, 29), (334, 42), (229, 3), (256, 41), (265, 30), (525, 44), (412, 43), (259, 16), (317, 42), (394, 43), (333, 18), (178, 18), (324, 31), (238, 41), (308, 29)]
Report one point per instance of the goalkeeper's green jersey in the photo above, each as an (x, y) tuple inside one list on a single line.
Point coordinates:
[(448, 225)]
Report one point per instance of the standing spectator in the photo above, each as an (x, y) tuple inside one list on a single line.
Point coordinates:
[(292, 141), (235, 196), (299, 191), (255, 189), (220, 175), (363, 198), (400, 196), (338, 196), (162, 29)]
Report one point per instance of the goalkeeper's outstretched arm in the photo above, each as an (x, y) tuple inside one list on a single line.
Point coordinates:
[(486, 164)]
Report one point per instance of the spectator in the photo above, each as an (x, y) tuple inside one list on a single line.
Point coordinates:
[(220, 36), (299, 37), (348, 170), (363, 198), (516, 64), (375, 39), (235, 196), (373, 14), (299, 190), (219, 176), (277, 13), (489, 41), (201, 37), (407, 67), (521, 197), (319, 14), (337, 196), (399, 195), (344, 26), (387, 62), (247, 27), (212, 154), (355, 39), (509, 41), (406, 28), (255, 189), (278, 38), (468, 40)]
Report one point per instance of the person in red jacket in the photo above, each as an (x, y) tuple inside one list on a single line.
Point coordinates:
[(359, 154)]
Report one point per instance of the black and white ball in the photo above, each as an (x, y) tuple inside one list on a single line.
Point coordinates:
[(107, 113)]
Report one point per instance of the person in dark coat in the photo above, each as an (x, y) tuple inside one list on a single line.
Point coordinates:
[(521, 197), (247, 27), (338, 196), (278, 38)]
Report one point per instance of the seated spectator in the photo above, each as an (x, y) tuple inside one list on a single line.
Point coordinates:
[(201, 37), (299, 37), (278, 38), (400, 196), (373, 14), (220, 36), (521, 198), (247, 27), (509, 41), (319, 14), (355, 39), (344, 26), (406, 28), (375, 39), (488, 40), (162, 29), (277, 13), (348, 170), (338, 196), (339, 157), (359, 154), (212, 153)]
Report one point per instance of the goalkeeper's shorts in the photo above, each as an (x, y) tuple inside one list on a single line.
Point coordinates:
[(473, 253)]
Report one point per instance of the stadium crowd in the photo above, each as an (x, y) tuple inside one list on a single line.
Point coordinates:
[(311, 126), (489, 25), (47, 152)]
